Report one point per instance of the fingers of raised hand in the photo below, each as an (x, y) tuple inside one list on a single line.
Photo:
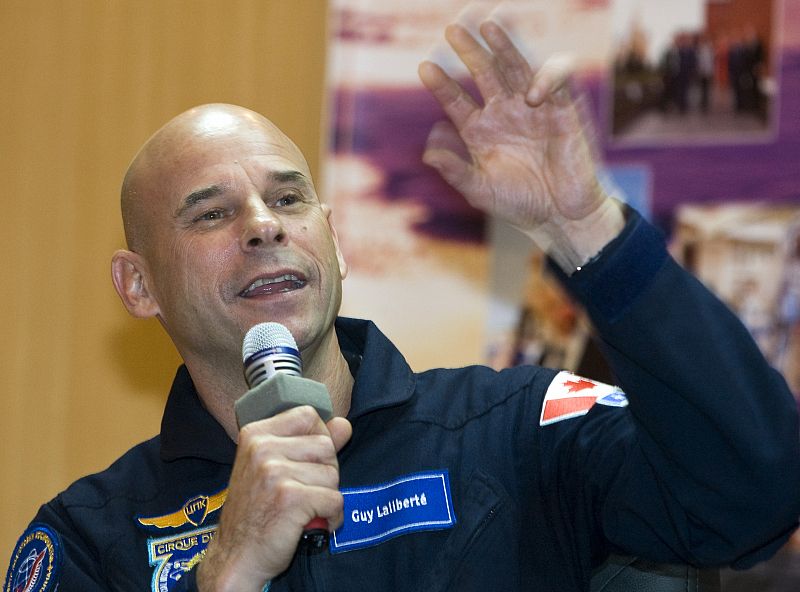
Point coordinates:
[(485, 70), (516, 70), (455, 101), (552, 81)]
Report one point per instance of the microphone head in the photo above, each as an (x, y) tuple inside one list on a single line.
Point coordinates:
[(265, 336), (269, 348)]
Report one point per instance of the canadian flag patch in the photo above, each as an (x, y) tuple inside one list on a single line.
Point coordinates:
[(570, 396)]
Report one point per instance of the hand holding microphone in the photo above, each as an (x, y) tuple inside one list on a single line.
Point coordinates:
[(273, 371), (285, 473)]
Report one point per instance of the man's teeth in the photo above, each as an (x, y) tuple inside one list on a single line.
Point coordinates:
[(273, 280)]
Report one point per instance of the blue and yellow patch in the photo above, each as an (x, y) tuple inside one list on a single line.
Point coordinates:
[(172, 556), (194, 512), (177, 553), (35, 562)]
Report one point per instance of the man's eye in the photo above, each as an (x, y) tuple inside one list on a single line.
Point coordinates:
[(210, 215), (287, 200)]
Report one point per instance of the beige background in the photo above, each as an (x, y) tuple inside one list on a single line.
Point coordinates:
[(84, 83)]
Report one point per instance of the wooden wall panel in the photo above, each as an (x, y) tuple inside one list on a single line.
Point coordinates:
[(83, 85)]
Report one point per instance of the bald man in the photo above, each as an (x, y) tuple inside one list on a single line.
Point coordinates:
[(462, 479)]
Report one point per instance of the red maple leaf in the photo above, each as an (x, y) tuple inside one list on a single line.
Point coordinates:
[(578, 385)]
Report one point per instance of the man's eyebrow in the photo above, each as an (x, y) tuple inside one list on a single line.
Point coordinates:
[(199, 195), (195, 197), (289, 177)]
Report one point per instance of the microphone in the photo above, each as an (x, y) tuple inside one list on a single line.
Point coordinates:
[(273, 371)]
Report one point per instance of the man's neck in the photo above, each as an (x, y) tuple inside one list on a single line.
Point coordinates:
[(328, 366), (219, 390)]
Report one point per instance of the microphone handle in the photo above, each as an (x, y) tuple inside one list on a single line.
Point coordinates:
[(315, 534), (279, 393)]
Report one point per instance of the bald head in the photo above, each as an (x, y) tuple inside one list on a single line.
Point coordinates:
[(225, 230), (173, 150)]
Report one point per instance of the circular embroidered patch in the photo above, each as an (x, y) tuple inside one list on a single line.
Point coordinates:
[(35, 561)]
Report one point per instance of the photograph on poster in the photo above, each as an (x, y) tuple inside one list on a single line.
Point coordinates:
[(437, 249), (698, 72)]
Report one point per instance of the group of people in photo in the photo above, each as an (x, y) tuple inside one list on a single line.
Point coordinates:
[(733, 64)]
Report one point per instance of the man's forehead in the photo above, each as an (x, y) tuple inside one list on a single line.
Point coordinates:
[(200, 140), (205, 130), (190, 150)]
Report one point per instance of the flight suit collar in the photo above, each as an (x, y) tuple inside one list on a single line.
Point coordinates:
[(188, 429), (383, 379)]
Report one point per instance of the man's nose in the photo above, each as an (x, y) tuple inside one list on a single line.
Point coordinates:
[(261, 226)]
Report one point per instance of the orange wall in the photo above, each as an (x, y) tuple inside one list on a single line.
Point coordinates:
[(84, 84)]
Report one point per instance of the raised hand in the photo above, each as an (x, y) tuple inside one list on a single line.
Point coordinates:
[(524, 155)]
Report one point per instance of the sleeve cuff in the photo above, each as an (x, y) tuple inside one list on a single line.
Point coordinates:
[(188, 583), (611, 283)]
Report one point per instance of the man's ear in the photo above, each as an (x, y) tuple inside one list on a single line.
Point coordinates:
[(130, 276), (339, 255)]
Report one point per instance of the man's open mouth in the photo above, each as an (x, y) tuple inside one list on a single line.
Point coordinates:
[(273, 285)]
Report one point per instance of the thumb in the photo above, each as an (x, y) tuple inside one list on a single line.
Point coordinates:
[(453, 169), (340, 431), (446, 152)]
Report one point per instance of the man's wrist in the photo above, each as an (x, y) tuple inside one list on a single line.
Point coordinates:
[(573, 244), (625, 268), (211, 576)]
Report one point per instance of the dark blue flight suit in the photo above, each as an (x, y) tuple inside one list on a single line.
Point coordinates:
[(700, 464)]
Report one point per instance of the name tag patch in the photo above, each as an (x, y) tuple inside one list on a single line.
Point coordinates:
[(420, 501)]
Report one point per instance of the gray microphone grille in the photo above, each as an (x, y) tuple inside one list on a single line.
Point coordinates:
[(265, 336)]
